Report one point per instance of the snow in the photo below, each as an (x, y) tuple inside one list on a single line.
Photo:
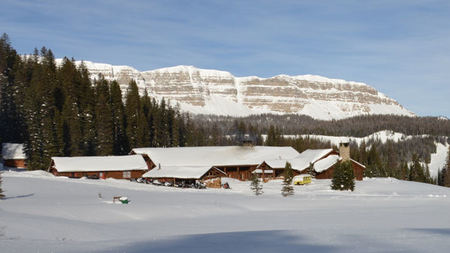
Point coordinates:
[(326, 163), (307, 157), (215, 155), (53, 214), (100, 163), (260, 171), (302, 161), (438, 159), (186, 172), (13, 151), (382, 136)]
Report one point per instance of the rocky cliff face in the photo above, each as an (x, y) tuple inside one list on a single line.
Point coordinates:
[(219, 92)]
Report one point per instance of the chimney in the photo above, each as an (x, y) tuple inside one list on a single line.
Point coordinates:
[(247, 141), (344, 151)]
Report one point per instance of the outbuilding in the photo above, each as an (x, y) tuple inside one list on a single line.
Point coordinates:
[(13, 155), (119, 167)]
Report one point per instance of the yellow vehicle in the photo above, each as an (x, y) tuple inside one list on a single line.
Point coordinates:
[(302, 179)]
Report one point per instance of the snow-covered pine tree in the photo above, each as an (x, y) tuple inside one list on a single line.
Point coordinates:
[(288, 175), (343, 177), (256, 185)]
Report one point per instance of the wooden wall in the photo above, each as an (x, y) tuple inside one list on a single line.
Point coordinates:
[(107, 174), (15, 163), (240, 172), (358, 170)]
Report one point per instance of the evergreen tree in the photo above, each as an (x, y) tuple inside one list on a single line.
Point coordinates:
[(1, 191), (311, 170), (288, 175), (273, 137), (343, 177), (120, 142), (445, 178), (416, 170), (133, 114), (256, 185), (104, 119)]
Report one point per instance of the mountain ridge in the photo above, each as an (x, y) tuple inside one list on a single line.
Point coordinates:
[(209, 91)]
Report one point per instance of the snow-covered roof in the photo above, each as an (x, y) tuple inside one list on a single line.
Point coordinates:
[(326, 163), (13, 151), (260, 171), (301, 161), (100, 163), (185, 172), (215, 156)]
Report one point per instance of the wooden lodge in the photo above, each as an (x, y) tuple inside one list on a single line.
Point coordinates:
[(119, 167), (178, 175), (237, 162), (321, 160), (13, 155)]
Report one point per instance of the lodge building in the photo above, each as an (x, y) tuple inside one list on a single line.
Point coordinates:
[(119, 167), (207, 164), (13, 155)]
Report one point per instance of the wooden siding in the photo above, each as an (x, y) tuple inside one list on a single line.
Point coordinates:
[(240, 172), (106, 174), (358, 170), (15, 163)]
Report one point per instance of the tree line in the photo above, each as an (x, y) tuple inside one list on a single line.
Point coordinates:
[(59, 111)]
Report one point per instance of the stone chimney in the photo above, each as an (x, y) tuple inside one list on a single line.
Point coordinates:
[(247, 141), (344, 151)]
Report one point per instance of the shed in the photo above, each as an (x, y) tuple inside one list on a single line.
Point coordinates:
[(119, 167), (13, 155)]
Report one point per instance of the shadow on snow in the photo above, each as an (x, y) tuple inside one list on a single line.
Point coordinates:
[(250, 241)]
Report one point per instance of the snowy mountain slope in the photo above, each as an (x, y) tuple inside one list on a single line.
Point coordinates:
[(65, 215), (204, 91)]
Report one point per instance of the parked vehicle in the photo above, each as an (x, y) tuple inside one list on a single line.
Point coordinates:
[(156, 182), (302, 179)]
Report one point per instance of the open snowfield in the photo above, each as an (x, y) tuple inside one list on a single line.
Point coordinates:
[(42, 213)]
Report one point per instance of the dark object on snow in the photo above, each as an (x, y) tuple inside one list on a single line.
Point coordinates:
[(92, 177), (226, 186)]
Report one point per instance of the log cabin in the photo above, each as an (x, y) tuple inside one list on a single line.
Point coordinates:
[(235, 161), (13, 155), (119, 167)]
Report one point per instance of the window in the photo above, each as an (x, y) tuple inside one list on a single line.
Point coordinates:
[(126, 174)]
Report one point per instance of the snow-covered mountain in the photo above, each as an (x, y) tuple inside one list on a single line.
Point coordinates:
[(204, 91)]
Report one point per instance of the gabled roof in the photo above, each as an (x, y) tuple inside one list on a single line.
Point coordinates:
[(13, 151), (326, 163), (215, 155), (184, 172), (99, 163), (301, 161)]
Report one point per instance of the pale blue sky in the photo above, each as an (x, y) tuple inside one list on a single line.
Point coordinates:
[(402, 48)]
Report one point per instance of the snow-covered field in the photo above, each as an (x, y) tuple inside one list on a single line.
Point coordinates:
[(42, 213)]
